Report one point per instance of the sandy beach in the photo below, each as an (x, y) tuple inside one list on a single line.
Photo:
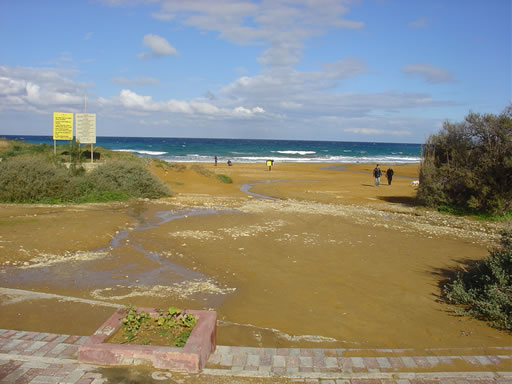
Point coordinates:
[(303, 255)]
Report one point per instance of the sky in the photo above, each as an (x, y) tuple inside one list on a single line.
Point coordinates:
[(340, 70)]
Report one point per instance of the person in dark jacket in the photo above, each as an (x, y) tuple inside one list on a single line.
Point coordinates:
[(389, 175), (377, 173)]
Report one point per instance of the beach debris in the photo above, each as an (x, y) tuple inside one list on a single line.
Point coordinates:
[(182, 290), (45, 259)]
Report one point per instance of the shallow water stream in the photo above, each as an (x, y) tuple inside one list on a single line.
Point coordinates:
[(123, 266)]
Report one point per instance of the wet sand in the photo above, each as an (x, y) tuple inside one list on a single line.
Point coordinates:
[(326, 260)]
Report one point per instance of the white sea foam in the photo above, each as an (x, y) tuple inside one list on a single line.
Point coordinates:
[(286, 159), (142, 152), (302, 153)]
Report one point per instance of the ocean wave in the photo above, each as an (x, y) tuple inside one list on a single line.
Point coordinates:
[(142, 152), (302, 153), (286, 159)]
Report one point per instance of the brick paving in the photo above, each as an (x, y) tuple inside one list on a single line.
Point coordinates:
[(44, 358)]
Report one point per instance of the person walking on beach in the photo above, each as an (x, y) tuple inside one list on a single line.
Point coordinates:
[(389, 175), (377, 173), (215, 160)]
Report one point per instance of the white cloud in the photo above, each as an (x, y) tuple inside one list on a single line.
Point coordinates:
[(163, 16), (279, 84), (273, 102), (374, 131), (420, 23), (139, 81), (39, 89), (282, 25), (247, 112), (132, 102), (314, 93), (430, 73), (290, 105), (159, 46)]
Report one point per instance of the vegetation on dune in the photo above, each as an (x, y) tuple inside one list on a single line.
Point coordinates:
[(207, 173), (201, 170), (178, 167), (130, 178), (32, 179), (485, 289), (224, 179), (467, 167), (30, 174), (15, 148)]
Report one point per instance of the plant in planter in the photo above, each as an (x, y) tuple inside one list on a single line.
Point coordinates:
[(167, 328)]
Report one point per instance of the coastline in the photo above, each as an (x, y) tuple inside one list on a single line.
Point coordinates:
[(190, 150)]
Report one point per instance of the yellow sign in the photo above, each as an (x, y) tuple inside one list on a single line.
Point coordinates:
[(62, 126), (86, 128)]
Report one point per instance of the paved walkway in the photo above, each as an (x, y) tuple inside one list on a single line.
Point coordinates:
[(33, 357)]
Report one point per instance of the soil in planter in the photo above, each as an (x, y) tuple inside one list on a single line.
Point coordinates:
[(168, 329), (152, 334)]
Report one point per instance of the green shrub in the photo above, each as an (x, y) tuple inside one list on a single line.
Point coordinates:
[(35, 179), (225, 179), (129, 178), (485, 289), (15, 148), (166, 165), (31, 179), (160, 163), (201, 170), (178, 167), (468, 165)]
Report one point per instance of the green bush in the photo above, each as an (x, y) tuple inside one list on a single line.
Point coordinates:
[(31, 179), (485, 289), (15, 148), (129, 178), (34, 179), (468, 165), (225, 179), (178, 167), (201, 170)]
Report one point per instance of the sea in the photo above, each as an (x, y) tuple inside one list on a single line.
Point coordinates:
[(252, 150)]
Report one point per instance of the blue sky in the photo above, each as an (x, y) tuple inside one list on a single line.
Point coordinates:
[(361, 70)]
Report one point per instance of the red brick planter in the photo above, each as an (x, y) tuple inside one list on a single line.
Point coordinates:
[(191, 358)]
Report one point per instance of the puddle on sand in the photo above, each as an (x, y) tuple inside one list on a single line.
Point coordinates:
[(122, 271), (246, 188)]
